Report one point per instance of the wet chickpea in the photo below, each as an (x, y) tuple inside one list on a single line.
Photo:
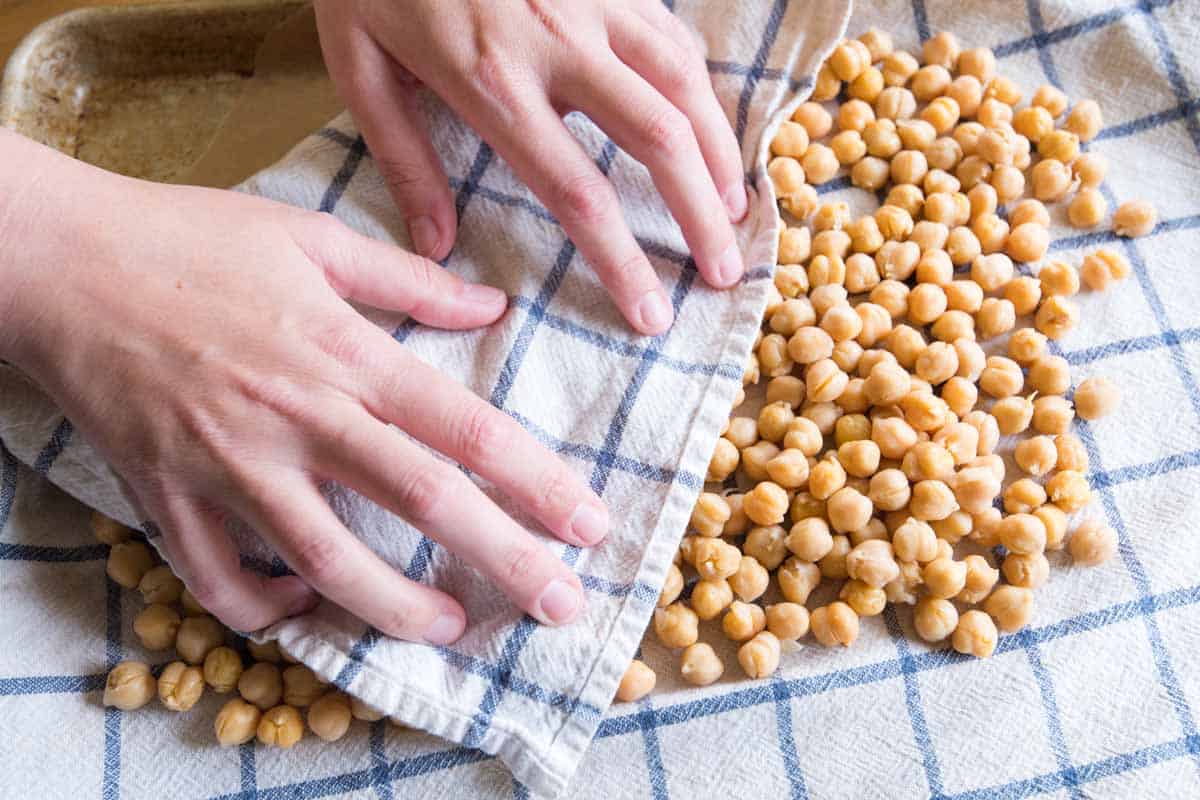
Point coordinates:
[(787, 175), (742, 621), (750, 581), (916, 134), (833, 565), (995, 318), (1087, 209), (898, 67), (1071, 453), (789, 469), (929, 82), (1096, 398), (932, 500), (938, 363), (985, 530), (914, 540), (1058, 279), (876, 323), (864, 599), (944, 577), (981, 577), (791, 280), (859, 458), (672, 587), (709, 515), (711, 596), (1090, 170), (129, 686), (1036, 455), (945, 153), (1092, 543), (1033, 122), (1022, 533), (848, 61), (676, 625), (795, 245), (889, 490), (790, 141), (128, 562), (975, 634), (1102, 268), (1010, 606), (755, 459), (1023, 496), (1056, 317), (792, 315), (835, 624), (960, 395), (798, 578), (934, 619), (1008, 181), (975, 488), (964, 295), (894, 437), (1052, 415), (846, 354), (848, 147), (924, 410), (962, 245), (1051, 180), (989, 433), (1029, 571), (1026, 346), (820, 164), (892, 295), (800, 204), (759, 657), (848, 510), (765, 545), (766, 503), (815, 119), (724, 461), (926, 303), (895, 103), (637, 682), (1013, 414), (1050, 98), (1050, 375), (1085, 120), (700, 665), (1060, 145), (825, 415), (1002, 377), (928, 461), (991, 231), (1069, 490), (810, 539), (1027, 242)]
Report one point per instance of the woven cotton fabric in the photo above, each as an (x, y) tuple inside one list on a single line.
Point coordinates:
[(1098, 697), (637, 417)]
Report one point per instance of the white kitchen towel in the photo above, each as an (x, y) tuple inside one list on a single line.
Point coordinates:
[(637, 417)]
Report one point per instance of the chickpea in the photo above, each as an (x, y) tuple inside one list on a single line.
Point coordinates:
[(180, 686), (1026, 346), (1036, 455), (791, 140), (711, 596), (864, 599), (926, 303), (963, 245), (975, 634), (848, 61), (267, 651), (825, 415), (128, 561), (1028, 571), (975, 488), (1051, 180), (1092, 543), (672, 586), (1027, 242), (159, 585), (800, 204), (1090, 170), (766, 503), (755, 459), (156, 626), (1058, 279), (1013, 414), (1002, 377), (742, 621), (870, 173), (1056, 316), (846, 355), (928, 461), (1033, 122), (1071, 453), (991, 231), (989, 432), (835, 624), (759, 657), (700, 665), (709, 515), (236, 722), (945, 154), (798, 578), (196, 636), (929, 82), (914, 540), (1055, 520), (1060, 145), (1050, 98), (301, 686), (129, 686), (960, 395), (810, 539), (1085, 120), (895, 103), (1096, 398), (944, 577), (1010, 606), (898, 67), (329, 716), (935, 619), (820, 164), (833, 565), (280, 726), (1087, 209), (848, 510), (859, 458), (938, 363), (932, 500), (1050, 375), (923, 410), (751, 579), (108, 531), (772, 355), (1069, 490), (222, 669), (637, 682), (1052, 415), (889, 490), (787, 175), (848, 147), (1023, 533), (1101, 268), (1009, 182), (981, 577), (1023, 496), (876, 323), (765, 545), (995, 318), (261, 685), (894, 437), (676, 625), (815, 119), (724, 461)]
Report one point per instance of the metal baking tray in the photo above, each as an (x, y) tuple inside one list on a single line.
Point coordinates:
[(142, 90)]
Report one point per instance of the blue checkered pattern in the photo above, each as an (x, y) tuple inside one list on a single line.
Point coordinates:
[(912, 722)]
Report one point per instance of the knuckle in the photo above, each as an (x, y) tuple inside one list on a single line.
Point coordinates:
[(403, 175), (421, 493), (631, 270), (483, 433), (320, 560), (584, 199), (681, 69), (344, 343), (404, 619), (667, 132), (520, 563)]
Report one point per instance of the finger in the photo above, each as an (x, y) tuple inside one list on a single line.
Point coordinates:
[(384, 276), (443, 414), (655, 132), (385, 103), (544, 154), (665, 52), (442, 502), (207, 561), (291, 515)]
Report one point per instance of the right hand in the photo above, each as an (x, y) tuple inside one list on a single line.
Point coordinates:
[(202, 342)]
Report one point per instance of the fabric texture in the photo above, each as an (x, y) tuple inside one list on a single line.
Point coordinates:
[(1098, 697), (637, 417)]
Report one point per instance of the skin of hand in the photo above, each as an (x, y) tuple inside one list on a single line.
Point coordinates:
[(512, 69), (202, 342)]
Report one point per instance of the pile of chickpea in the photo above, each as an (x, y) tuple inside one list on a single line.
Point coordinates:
[(876, 462), (267, 697)]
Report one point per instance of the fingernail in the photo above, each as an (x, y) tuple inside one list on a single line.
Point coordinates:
[(424, 234), (559, 603), (736, 201), (445, 629), (484, 295), (729, 267), (589, 523), (656, 312)]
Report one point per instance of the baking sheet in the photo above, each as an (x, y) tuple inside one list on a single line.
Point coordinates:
[(172, 92)]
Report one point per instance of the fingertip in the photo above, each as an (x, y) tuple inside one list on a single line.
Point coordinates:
[(560, 603), (490, 301), (302, 597), (448, 626), (654, 313), (589, 523), (728, 269), (737, 203), (425, 235)]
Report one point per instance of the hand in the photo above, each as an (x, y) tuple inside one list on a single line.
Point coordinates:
[(512, 69), (201, 341)]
